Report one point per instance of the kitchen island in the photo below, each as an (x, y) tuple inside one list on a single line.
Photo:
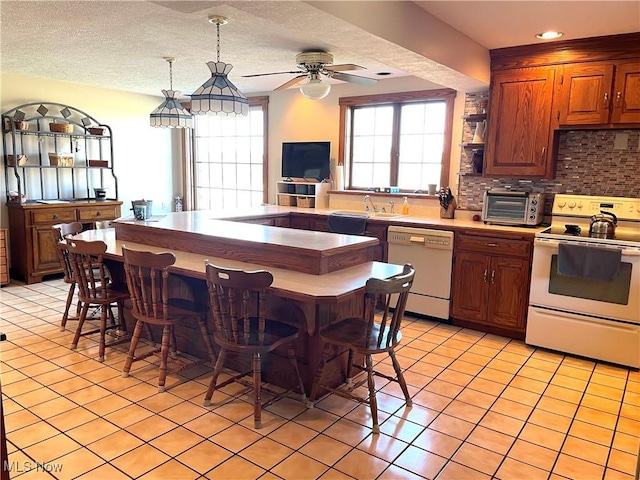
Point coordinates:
[(307, 300)]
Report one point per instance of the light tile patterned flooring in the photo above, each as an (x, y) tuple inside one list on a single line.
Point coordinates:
[(484, 406)]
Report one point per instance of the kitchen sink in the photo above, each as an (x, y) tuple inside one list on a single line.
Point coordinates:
[(368, 214)]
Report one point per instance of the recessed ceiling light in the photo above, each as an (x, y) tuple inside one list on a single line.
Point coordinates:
[(550, 35), (383, 74)]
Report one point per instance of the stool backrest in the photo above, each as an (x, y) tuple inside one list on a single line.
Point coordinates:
[(237, 300), (392, 293), (89, 271), (60, 233), (148, 282)]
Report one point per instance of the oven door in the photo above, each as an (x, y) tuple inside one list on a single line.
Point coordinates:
[(618, 299)]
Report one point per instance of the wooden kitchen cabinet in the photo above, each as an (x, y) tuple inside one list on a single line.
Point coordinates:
[(4, 260), (490, 285), (33, 250), (521, 125), (600, 93)]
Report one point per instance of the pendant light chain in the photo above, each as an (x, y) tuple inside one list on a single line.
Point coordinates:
[(171, 74), (218, 49)]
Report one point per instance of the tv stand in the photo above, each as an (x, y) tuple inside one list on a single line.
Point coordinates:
[(298, 193)]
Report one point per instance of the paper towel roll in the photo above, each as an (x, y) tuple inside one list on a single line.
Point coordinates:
[(338, 179)]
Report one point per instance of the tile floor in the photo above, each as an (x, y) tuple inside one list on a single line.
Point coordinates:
[(484, 406)]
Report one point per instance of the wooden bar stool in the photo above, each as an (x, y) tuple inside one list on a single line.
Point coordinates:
[(60, 233), (369, 335), (96, 290), (237, 300), (148, 282)]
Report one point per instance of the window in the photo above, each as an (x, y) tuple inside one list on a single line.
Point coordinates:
[(397, 139), (230, 158)]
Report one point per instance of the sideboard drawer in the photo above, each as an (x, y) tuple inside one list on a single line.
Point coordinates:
[(98, 213), (53, 216)]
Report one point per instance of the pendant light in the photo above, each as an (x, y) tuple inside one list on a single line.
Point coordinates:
[(218, 96), (171, 113)]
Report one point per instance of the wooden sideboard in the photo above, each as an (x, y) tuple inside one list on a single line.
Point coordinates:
[(4, 260), (33, 252)]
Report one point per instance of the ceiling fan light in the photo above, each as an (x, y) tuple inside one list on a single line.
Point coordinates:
[(315, 89)]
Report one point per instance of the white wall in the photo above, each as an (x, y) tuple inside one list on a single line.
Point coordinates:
[(294, 118), (144, 159)]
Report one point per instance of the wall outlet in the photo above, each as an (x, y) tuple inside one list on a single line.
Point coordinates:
[(621, 141)]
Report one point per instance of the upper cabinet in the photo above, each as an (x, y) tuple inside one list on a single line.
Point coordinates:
[(600, 93), (520, 123), (537, 89)]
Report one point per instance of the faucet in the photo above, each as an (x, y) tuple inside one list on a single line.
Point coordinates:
[(369, 205), (391, 205)]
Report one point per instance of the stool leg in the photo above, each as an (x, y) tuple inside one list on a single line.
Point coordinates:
[(81, 319), (207, 340), (292, 358), (401, 381), (65, 315), (103, 331), (164, 354), (318, 376), (257, 388), (349, 379), (132, 349), (214, 379), (372, 393)]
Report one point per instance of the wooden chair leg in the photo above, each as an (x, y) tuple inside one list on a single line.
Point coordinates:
[(132, 349), (318, 376), (349, 378), (65, 315), (294, 362), (164, 355), (373, 403), (103, 331), (401, 381), (257, 388), (81, 319), (214, 379), (207, 340)]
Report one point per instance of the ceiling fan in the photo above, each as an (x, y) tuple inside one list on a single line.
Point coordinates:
[(312, 65)]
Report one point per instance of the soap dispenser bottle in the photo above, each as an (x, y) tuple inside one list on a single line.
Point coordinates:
[(405, 206)]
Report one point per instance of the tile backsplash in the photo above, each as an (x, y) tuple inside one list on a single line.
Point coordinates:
[(588, 162)]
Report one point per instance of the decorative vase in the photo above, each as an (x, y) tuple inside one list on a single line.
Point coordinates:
[(477, 160)]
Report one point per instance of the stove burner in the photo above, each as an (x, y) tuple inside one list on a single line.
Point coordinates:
[(573, 230)]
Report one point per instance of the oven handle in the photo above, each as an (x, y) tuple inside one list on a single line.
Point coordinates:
[(626, 252)]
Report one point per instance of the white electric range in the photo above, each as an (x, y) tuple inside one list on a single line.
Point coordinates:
[(592, 307)]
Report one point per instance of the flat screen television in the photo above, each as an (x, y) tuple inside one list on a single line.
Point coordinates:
[(308, 160)]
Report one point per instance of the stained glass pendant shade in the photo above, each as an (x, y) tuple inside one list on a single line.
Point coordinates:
[(171, 113), (218, 96)]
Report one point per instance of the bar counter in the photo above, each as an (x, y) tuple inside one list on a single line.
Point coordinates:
[(309, 301)]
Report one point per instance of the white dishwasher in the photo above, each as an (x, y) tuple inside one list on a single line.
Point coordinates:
[(431, 254)]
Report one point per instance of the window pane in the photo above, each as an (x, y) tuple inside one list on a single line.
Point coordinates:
[(229, 156)]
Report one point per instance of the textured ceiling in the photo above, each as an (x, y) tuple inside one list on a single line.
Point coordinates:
[(120, 44)]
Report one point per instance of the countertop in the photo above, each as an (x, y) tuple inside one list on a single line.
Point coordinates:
[(411, 220)]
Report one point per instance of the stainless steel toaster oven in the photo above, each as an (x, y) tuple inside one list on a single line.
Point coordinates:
[(505, 207)]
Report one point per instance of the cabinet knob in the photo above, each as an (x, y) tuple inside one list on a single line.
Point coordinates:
[(618, 98), (486, 272), (493, 277), (55, 216), (543, 152), (98, 214), (606, 100), (491, 244)]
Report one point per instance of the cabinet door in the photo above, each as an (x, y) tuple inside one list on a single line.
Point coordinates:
[(45, 257), (626, 94), (470, 286), (300, 221), (586, 94), (520, 136), (509, 292)]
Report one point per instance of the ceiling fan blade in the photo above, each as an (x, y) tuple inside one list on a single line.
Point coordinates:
[(272, 73), (291, 83), (345, 77), (344, 67)]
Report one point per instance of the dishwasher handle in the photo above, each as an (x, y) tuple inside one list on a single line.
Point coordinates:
[(418, 240)]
